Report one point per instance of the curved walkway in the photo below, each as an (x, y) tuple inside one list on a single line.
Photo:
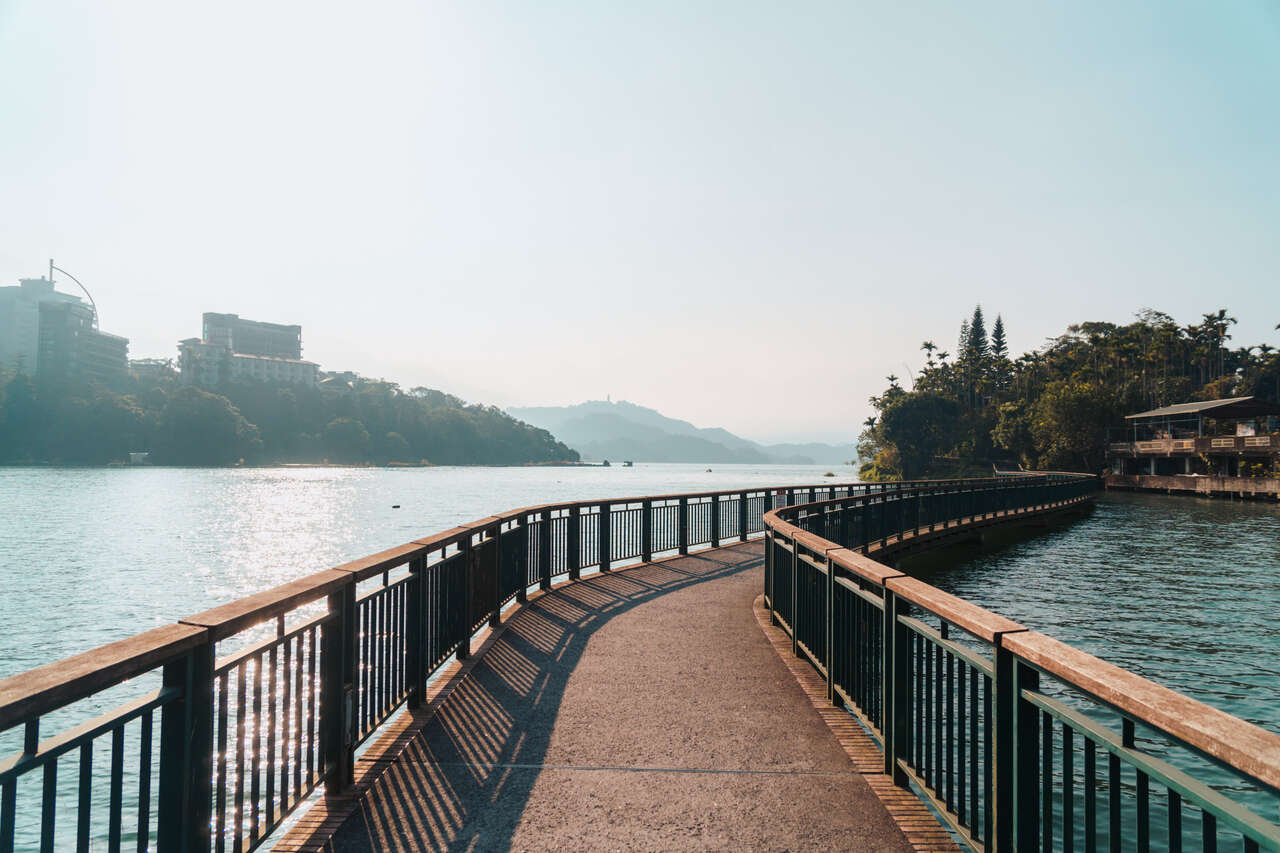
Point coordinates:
[(640, 709)]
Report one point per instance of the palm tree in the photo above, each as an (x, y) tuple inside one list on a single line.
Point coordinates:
[(928, 347)]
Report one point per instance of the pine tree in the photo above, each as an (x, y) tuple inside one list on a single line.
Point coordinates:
[(999, 346), (1001, 370), (979, 348)]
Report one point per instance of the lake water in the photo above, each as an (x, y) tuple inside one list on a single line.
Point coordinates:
[(88, 556), (1180, 590)]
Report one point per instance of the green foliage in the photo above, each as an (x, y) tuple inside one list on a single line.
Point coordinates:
[(199, 428), (366, 421), (346, 440), (920, 425), (1051, 408)]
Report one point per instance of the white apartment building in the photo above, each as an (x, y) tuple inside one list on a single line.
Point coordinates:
[(208, 364)]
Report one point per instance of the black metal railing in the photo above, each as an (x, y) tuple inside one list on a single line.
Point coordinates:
[(208, 734), (1020, 742)]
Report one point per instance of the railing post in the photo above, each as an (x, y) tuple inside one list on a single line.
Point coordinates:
[(769, 568), (715, 521), (416, 632), (467, 556), (544, 551), (684, 526), (1026, 721), (338, 637), (864, 516), (574, 543), (742, 517), (794, 616), (895, 686), (646, 531), (521, 557), (1015, 754), (831, 628), (186, 754), (493, 568), (604, 540)]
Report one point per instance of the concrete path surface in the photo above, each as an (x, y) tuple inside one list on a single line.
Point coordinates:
[(637, 710)]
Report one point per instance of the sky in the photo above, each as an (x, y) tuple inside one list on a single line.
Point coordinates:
[(742, 214)]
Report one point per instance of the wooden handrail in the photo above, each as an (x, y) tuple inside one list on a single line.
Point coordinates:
[(1250, 749), (38, 691)]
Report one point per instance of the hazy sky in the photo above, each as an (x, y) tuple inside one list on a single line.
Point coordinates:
[(742, 214)]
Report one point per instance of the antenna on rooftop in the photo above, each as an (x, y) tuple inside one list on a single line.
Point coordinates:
[(92, 304)]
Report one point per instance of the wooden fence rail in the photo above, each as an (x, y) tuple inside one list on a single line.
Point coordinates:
[(1011, 735)]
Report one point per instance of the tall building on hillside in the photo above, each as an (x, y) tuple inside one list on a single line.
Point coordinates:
[(51, 334), (252, 337), (235, 349)]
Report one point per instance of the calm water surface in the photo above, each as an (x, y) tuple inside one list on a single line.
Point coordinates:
[(88, 556)]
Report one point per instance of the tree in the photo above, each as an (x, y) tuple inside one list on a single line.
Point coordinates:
[(978, 348), (919, 425), (392, 447), (199, 428), (346, 440), (19, 420), (999, 346), (929, 347)]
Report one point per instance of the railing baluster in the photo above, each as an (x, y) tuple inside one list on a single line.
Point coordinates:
[(270, 767), (115, 801), (85, 797), (48, 806), (220, 779), (1068, 789), (1090, 796), (1046, 782), (144, 783), (255, 750)]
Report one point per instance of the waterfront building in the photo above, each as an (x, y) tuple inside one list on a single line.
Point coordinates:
[(253, 337), (208, 365), (235, 349), (1228, 446), (53, 335)]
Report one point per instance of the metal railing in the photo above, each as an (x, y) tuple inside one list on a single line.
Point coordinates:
[(1019, 741), (207, 734)]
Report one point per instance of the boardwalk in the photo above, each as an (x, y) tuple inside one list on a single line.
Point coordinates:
[(642, 709)]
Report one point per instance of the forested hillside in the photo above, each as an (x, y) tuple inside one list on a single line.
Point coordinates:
[(349, 422), (1051, 408)]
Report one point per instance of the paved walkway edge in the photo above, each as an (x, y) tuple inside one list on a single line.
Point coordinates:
[(316, 826), (923, 831)]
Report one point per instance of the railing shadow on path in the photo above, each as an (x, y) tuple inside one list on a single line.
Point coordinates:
[(463, 782)]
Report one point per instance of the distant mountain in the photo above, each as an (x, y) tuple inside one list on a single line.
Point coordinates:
[(622, 430)]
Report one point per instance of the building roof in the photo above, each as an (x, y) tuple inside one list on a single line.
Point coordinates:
[(1230, 407)]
